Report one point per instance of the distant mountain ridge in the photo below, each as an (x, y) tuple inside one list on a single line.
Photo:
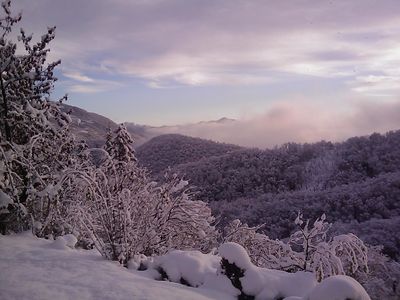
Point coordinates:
[(93, 127), (191, 129)]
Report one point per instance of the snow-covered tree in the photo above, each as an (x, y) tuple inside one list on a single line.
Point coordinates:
[(342, 254), (35, 144)]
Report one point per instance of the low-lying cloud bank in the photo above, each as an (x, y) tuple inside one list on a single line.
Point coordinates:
[(301, 121)]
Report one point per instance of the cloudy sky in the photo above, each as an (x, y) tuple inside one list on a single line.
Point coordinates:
[(288, 70)]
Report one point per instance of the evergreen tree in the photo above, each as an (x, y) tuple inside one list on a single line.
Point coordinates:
[(35, 144)]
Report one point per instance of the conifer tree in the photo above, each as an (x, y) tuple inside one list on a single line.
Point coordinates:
[(35, 143)]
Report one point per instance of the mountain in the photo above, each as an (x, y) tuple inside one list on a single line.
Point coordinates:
[(88, 126), (93, 127), (170, 150), (200, 129), (219, 121)]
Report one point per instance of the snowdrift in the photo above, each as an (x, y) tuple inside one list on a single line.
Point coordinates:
[(33, 268)]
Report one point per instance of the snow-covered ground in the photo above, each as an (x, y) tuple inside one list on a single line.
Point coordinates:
[(32, 268)]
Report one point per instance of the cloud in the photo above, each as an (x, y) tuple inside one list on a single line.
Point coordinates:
[(299, 121), (326, 51), (92, 87), (377, 85), (169, 43), (78, 77), (81, 83)]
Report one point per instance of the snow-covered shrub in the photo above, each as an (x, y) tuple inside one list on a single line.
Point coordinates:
[(382, 280), (308, 249), (125, 213), (264, 252), (343, 254)]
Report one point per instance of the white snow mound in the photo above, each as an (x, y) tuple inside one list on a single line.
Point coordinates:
[(235, 254), (64, 242), (339, 287), (191, 266), (274, 284)]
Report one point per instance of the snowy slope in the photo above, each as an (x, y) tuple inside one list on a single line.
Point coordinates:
[(33, 268)]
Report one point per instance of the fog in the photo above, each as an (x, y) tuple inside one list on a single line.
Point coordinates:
[(300, 121)]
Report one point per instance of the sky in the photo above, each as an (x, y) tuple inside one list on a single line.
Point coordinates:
[(298, 70)]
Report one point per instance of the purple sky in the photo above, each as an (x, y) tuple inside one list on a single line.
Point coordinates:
[(326, 66)]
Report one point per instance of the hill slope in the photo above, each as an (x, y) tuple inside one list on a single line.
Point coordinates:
[(89, 126), (42, 269), (356, 183), (39, 269), (173, 149)]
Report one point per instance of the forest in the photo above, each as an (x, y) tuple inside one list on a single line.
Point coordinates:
[(356, 182)]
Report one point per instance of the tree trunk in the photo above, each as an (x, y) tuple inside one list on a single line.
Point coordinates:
[(5, 107)]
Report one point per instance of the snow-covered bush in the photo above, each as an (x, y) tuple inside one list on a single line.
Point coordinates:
[(343, 254), (125, 213), (264, 252), (382, 280), (308, 249)]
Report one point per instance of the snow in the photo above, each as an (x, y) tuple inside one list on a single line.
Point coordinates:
[(181, 184), (197, 269), (5, 200), (221, 283), (34, 269), (234, 253), (339, 287), (273, 284), (65, 242), (192, 266), (266, 284)]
